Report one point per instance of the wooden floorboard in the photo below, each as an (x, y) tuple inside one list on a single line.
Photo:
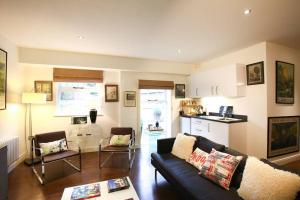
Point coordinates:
[(24, 185)]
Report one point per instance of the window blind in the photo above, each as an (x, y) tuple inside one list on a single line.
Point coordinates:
[(155, 84), (77, 75)]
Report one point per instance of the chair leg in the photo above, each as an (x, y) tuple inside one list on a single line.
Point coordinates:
[(37, 175), (99, 157), (155, 175), (80, 163), (72, 165), (43, 168)]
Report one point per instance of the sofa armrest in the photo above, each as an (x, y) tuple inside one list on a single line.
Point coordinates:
[(165, 145), (284, 168)]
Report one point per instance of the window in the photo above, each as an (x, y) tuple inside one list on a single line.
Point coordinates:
[(77, 98)]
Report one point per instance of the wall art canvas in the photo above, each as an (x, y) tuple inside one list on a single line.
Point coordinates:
[(284, 83), (255, 73), (129, 98), (3, 79), (44, 87), (111, 93), (283, 135), (179, 90)]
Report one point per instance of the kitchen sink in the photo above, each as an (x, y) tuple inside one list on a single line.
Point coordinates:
[(223, 119)]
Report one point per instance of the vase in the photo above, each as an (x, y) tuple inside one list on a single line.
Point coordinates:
[(156, 124), (93, 115)]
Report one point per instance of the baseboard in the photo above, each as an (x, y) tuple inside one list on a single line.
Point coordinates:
[(286, 160), (17, 162)]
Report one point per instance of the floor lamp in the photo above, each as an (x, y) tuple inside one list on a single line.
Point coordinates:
[(30, 98)]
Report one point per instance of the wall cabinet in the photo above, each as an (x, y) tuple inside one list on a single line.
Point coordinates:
[(228, 81)]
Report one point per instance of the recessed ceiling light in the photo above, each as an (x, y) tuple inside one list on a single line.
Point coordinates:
[(247, 11), (178, 51), (80, 37)]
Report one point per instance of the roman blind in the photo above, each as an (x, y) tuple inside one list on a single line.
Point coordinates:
[(153, 84), (77, 75)]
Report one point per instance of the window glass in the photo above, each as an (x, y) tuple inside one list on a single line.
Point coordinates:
[(77, 98)]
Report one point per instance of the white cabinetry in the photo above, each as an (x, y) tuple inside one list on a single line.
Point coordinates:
[(231, 135), (228, 81), (185, 125)]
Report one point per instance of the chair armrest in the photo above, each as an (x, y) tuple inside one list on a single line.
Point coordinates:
[(165, 145), (40, 150)]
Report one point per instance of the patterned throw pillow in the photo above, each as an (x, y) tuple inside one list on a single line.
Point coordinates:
[(54, 147), (198, 158), (219, 167), (120, 140)]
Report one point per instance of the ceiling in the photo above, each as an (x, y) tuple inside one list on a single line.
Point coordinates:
[(153, 29)]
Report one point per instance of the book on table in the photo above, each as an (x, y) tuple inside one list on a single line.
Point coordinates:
[(86, 191), (117, 184)]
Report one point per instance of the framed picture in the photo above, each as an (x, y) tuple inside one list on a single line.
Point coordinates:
[(285, 83), (179, 90), (3, 79), (255, 73), (79, 120), (283, 135), (129, 98), (44, 87), (111, 93)]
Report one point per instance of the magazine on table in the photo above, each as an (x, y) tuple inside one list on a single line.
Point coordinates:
[(117, 184), (86, 191)]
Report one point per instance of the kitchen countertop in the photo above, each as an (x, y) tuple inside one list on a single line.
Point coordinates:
[(214, 117)]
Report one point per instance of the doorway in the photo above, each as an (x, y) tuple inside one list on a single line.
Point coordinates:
[(155, 116)]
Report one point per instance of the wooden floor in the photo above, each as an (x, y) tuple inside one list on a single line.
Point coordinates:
[(24, 185)]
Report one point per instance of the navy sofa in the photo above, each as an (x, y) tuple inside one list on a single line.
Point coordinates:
[(185, 177)]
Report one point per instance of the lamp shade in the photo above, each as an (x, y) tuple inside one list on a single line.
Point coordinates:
[(33, 98)]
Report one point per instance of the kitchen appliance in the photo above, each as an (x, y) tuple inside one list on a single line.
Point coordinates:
[(226, 111)]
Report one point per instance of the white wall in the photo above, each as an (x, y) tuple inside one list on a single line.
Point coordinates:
[(254, 105), (275, 53), (12, 119), (43, 116), (129, 116)]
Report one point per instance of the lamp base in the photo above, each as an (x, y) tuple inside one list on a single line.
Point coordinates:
[(28, 161)]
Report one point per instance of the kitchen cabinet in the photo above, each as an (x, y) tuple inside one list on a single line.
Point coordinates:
[(228, 81), (185, 125), (231, 135)]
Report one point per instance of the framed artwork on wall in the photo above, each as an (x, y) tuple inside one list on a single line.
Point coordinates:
[(44, 87), (130, 99), (111, 93), (285, 83), (179, 90), (3, 79), (283, 135), (255, 73)]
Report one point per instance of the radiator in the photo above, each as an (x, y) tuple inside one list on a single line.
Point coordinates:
[(12, 144)]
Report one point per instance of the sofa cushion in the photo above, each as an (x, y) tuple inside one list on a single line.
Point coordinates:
[(198, 158), (219, 167), (238, 174), (183, 146), (186, 178), (261, 181), (207, 145)]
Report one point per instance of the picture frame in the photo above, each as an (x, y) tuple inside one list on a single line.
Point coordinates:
[(45, 87), (111, 93), (285, 83), (179, 91), (255, 73), (283, 135), (130, 99), (3, 79), (79, 120)]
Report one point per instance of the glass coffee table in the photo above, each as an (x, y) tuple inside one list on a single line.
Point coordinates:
[(125, 194)]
